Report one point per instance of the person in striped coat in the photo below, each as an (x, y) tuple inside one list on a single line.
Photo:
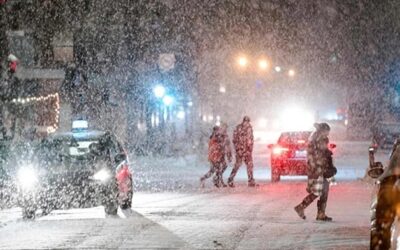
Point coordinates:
[(319, 169)]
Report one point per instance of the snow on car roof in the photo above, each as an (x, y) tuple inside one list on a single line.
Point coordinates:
[(83, 135)]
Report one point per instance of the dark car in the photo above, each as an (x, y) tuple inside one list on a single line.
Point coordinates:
[(289, 154), (385, 213), (78, 169)]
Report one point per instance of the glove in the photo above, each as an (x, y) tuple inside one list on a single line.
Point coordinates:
[(330, 172)]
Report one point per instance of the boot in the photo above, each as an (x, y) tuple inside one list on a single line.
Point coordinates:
[(223, 184), (300, 211), (253, 184), (321, 216), (230, 184)]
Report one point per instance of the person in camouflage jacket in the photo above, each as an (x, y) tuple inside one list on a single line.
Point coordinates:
[(319, 168), (227, 150), (243, 141), (215, 157)]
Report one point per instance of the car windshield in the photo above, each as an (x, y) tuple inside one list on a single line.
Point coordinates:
[(66, 149), (80, 148)]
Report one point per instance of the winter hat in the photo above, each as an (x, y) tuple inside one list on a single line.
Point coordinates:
[(322, 126), (12, 58), (215, 131), (12, 63), (223, 124)]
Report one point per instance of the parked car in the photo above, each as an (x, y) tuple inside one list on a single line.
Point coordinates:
[(82, 168)]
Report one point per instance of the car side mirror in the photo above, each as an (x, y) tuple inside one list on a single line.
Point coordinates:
[(332, 146), (376, 170)]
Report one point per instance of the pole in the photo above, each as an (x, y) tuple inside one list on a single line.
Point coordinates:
[(3, 35)]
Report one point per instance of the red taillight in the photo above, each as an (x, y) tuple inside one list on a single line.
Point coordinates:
[(279, 150)]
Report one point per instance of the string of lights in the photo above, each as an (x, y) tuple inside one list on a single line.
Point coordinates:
[(51, 97)]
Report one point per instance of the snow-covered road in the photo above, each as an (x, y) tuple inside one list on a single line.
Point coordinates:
[(240, 218), (171, 211), (261, 218)]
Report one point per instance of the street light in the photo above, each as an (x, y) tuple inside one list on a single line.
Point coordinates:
[(291, 73), (222, 89), (263, 64), (168, 100), (181, 115), (159, 91), (242, 61), (278, 69)]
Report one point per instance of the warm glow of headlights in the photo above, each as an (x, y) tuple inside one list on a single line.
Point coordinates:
[(27, 178), (262, 123), (102, 175), (297, 119)]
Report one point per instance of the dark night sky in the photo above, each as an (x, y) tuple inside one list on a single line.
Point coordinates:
[(339, 47)]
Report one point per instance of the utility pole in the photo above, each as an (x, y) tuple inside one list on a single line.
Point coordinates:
[(3, 35)]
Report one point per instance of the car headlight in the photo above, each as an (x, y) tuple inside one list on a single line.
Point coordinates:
[(27, 178), (102, 175)]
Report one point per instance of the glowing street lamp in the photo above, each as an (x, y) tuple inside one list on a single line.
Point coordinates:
[(181, 115), (168, 100), (159, 91), (278, 69), (222, 89), (291, 73), (263, 64), (242, 61)]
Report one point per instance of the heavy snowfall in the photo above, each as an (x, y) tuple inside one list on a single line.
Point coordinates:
[(185, 124)]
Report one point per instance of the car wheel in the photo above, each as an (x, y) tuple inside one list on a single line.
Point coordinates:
[(111, 202), (111, 208), (275, 174), (111, 205)]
